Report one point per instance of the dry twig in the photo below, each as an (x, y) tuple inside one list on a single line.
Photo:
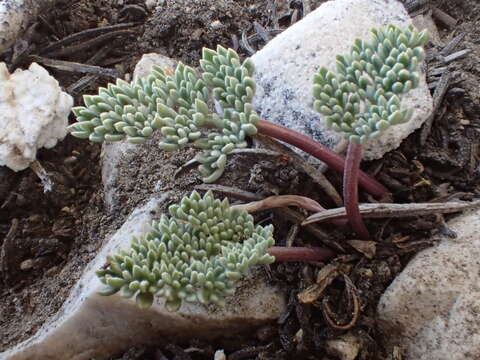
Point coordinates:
[(75, 67), (84, 34), (438, 96), (395, 210), (280, 201)]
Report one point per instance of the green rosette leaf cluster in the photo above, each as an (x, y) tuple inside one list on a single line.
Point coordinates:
[(362, 99), (175, 104), (233, 89), (197, 254), (178, 105)]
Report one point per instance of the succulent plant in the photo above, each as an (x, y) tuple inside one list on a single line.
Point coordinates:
[(197, 254), (177, 105), (363, 98)]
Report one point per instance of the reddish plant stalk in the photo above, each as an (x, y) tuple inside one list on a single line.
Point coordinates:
[(350, 189), (320, 152), (300, 253)]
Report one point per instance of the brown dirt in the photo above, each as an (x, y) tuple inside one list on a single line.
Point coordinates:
[(54, 235)]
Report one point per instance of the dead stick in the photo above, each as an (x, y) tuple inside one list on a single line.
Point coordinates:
[(85, 33), (395, 210), (75, 67), (280, 201), (438, 95), (443, 17), (87, 45)]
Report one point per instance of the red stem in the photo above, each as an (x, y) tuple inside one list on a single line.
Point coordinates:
[(320, 152), (300, 253), (350, 189)]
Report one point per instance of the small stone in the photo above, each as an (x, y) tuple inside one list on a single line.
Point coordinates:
[(26, 265), (219, 355), (215, 25), (70, 160), (150, 4), (345, 347)]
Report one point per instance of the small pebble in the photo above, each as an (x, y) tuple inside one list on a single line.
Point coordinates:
[(26, 265), (219, 355), (150, 4), (215, 25), (70, 160)]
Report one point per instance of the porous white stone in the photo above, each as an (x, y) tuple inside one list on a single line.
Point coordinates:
[(15, 16), (432, 309), (34, 114), (93, 326), (286, 65)]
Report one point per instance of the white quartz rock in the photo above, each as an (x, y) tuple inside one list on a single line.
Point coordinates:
[(286, 65), (34, 114), (93, 326), (432, 309), (15, 16)]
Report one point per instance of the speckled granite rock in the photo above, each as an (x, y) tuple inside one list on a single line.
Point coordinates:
[(286, 65), (432, 309)]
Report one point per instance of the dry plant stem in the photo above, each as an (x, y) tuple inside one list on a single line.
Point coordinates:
[(281, 201), (350, 189), (395, 210), (300, 253), (320, 152), (284, 201)]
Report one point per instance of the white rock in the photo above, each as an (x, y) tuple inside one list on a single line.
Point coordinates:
[(432, 309), (34, 114), (15, 16), (286, 65), (219, 355), (345, 347), (92, 326), (150, 4), (144, 66)]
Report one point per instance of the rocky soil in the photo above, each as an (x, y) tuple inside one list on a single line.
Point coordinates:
[(46, 239)]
